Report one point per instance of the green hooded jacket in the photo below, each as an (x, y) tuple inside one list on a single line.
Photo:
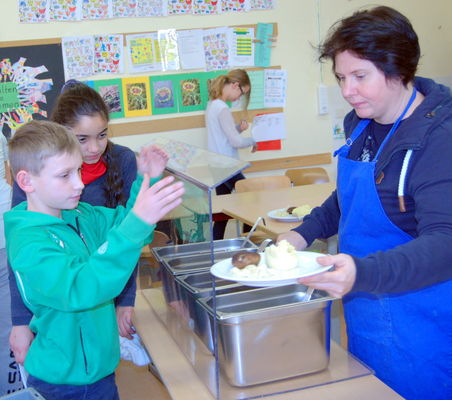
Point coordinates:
[(68, 271)]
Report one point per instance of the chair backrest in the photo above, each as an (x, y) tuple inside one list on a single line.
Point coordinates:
[(260, 183), (307, 176)]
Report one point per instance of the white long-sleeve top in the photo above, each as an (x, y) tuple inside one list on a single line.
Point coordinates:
[(222, 134)]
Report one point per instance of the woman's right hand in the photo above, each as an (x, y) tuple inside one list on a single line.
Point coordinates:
[(20, 340), (294, 238)]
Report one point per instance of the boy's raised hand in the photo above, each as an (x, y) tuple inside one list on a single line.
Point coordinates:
[(154, 202), (152, 161)]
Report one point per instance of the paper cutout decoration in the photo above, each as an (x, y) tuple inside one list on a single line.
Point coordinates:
[(262, 4), (206, 7), (164, 97), (143, 52), (95, 9), (111, 92), (78, 56), (179, 7), (269, 145), (192, 92), (64, 10), (235, 5), (216, 48), (152, 8), (241, 47), (137, 96), (31, 78), (32, 11), (108, 54), (191, 49), (123, 8)]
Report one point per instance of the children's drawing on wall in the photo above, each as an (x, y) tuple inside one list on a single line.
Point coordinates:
[(137, 96), (152, 8), (124, 8), (111, 92), (95, 9), (206, 7), (78, 56), (108, 54), (163, 94), (33, 11), (176, 7), (64, 10), (235, 5), (216, 48), (30, 80), (143, 52), (191, 92)]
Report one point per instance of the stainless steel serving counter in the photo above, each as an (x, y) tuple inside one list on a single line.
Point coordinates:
[(183, 383)]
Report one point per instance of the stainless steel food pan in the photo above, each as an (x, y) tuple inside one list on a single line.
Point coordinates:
[(270, 334), (192, 258), (200, 285)]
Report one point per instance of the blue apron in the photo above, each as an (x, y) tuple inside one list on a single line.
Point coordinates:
[(405, 337)]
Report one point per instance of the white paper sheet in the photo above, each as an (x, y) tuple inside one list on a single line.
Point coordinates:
[(268, 127), (191, 49), (241, 47), (275, 88), (167, 40), (142, 52)]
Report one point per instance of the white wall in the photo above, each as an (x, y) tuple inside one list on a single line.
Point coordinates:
[(300, 24)]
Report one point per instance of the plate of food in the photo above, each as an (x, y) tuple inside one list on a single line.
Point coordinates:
[(290, 214), (278, 265)]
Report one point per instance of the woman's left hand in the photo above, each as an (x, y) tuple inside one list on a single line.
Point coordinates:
[(152, 160), (339, 281), (124, 318)]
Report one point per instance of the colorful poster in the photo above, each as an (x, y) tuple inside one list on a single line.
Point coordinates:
[(78, 56), (164, 96), (31, 78), (216, 48), (108, 54), (64, 10), (179, 7), (235, 5), (152, 8), (192, 92), (95, 9), (123, 8), (32, 11), (111, 92), (169, 55), (137, 96), (143, 53), (241, 47), (206, 7), (262, 4)]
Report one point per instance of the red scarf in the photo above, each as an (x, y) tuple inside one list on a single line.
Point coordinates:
[(90, 172)]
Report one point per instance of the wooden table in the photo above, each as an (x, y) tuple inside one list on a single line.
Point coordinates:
[(183, 383), (247, 207)]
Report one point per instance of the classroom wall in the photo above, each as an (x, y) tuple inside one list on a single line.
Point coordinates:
[(301, 23)]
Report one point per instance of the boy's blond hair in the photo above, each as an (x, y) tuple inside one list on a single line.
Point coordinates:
[(36, 141)]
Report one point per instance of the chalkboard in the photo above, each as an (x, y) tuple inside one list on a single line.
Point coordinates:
[(31, 78)]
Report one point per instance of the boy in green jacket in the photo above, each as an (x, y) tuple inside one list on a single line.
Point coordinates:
[(72, 259)]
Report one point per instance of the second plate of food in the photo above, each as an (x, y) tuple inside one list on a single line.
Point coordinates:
[(281, 214)]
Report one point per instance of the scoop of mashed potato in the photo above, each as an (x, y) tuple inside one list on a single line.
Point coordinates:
[(301, 211), (281, 256)]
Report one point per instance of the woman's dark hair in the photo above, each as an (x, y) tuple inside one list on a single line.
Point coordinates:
[(75, 101), (381, 35)]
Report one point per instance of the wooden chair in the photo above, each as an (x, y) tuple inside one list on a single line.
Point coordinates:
[(257, 184), (148, 265), (307, 176)]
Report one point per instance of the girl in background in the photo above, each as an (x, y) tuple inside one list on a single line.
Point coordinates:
[(108, 171), (223, 135)]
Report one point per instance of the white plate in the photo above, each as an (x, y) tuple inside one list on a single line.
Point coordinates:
[(289, 218), (307, 266)]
